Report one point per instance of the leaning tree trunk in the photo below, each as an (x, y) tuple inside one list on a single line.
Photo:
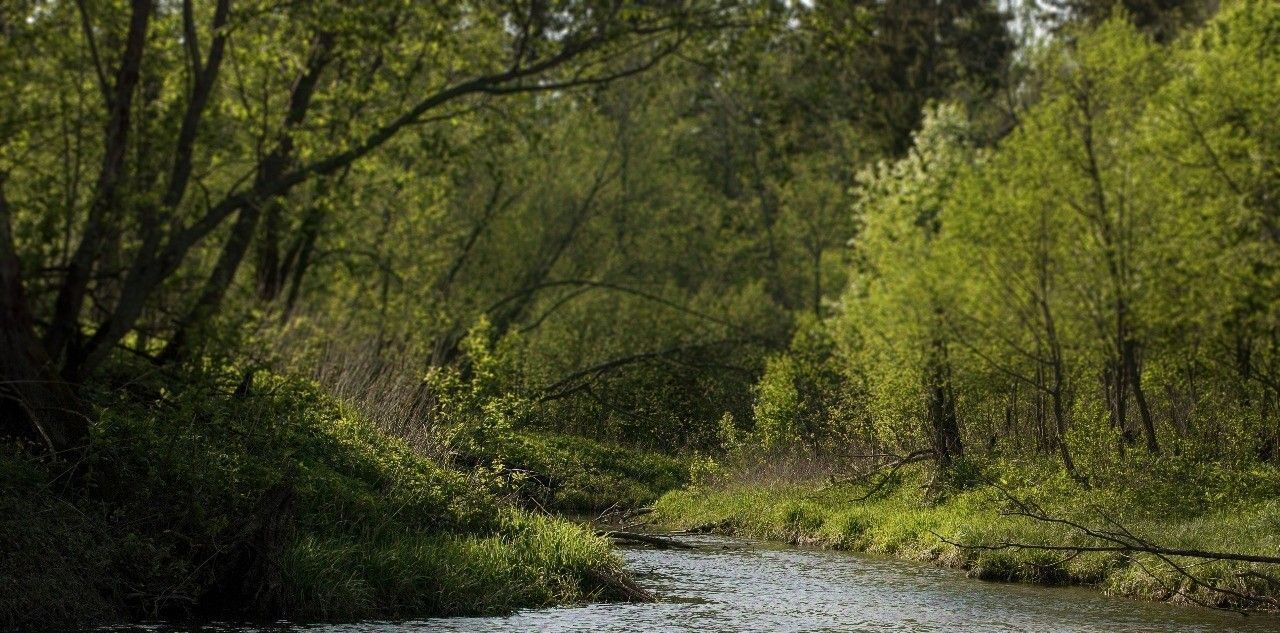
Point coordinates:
[(1135, 382), (273, 167)]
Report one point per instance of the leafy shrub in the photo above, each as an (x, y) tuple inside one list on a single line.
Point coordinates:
[(185, 480)]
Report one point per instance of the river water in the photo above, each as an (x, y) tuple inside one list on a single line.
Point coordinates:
[(731, 585)]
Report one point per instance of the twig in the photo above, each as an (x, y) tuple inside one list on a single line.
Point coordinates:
[(894, 467)]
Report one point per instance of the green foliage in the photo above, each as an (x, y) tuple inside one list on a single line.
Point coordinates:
[(804, 399), (703, 470), (51, 566), (488, 424), (1100, 282), (732, 441), (530, 561), (894, 313), (522, 272), (178, 472), (1163, 19), (777, 407), (226, 451), (580, 474)]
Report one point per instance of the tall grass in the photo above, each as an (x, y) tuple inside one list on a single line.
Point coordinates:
[(529, 561), (583, 474), (169, 518), (387, 390)]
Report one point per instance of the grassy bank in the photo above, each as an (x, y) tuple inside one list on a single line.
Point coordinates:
[(1170, 502), (201, 499), (577, 475)]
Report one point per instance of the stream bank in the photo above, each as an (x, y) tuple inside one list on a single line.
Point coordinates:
[(731, 585), (898, 521)]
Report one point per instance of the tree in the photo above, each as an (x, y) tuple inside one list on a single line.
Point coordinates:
[(902, 295), (1162, 19), (187, 147), (897, 56)]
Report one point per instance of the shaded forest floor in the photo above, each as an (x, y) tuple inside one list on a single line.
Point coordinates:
[(1169, 502), (207, 499)]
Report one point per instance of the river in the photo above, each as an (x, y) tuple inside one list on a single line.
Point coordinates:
[(731, 585)]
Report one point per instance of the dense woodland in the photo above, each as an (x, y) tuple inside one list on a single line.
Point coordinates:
[(612, 231)]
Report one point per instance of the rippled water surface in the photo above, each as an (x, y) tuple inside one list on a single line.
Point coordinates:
[(729, 585)]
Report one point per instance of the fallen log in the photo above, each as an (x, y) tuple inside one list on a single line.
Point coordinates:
[(660, 542), (619, 586)]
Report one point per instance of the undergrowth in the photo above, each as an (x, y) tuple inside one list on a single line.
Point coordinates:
[(580, 475), (198, 499)]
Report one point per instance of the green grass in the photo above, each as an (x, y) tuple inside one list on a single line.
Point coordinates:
[(899, 522), (529, 561), (590, 476), (167, 516)]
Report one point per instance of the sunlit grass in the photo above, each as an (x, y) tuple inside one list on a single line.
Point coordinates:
[(900, 522), (530, 561)]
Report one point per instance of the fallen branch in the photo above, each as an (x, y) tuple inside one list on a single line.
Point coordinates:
[(617, 514), (1124, 539), (619, 585), (893, 466), (1116, 538), (660, 542)]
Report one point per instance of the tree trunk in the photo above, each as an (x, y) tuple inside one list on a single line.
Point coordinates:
[(64, 330), (1114, 390), (216, 286), (268, 263), (1135, 381), (1059, 379), (301, 262), (941, 409), (817, 283), (35, 403), (273, 167)]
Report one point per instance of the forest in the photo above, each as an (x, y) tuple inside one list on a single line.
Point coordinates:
[(332, 311)]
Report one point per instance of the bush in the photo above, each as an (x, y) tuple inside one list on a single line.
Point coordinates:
[(198, 498)]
